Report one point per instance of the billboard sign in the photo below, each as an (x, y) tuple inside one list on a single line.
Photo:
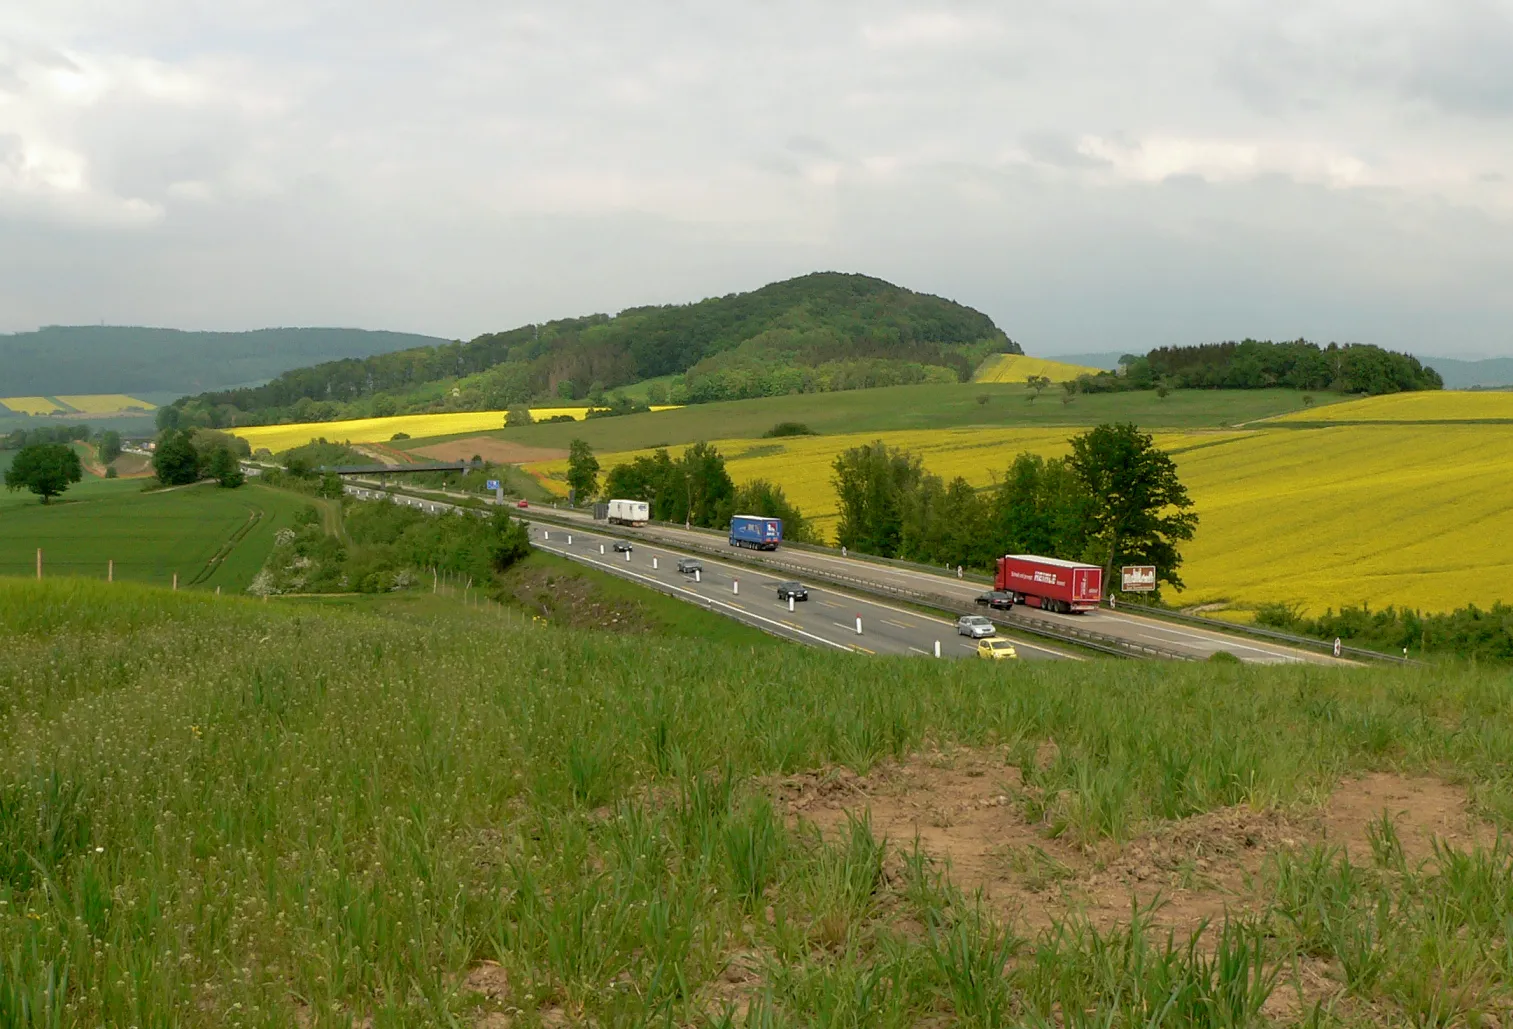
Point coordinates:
[(1137, 578)]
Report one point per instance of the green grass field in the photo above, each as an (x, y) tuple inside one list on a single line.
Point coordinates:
[(217, 812), (930, 406), (210, 537)]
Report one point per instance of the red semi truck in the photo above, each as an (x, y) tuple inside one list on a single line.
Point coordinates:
[(1050, 583)]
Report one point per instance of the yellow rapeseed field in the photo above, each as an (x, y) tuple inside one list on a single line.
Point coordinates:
[(802, 464), (1018, 367), (1413, 515), (30, 405), (104, 403), (1428, 406), (380, 430)]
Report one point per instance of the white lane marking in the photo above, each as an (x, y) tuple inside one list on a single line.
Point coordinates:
[(1220, 642), (620, 569)]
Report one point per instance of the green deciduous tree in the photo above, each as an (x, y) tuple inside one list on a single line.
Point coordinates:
[(226, 469), (871, 483), (711, 493), (109, 446), (582, 470), (767, 499), (46, 469), (517, 415), (175, 461), (1139, 509)]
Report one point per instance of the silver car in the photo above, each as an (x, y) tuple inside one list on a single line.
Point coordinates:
[(975, 626)]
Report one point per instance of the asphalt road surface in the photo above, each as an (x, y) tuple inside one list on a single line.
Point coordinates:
[(1193, 642), (827, 619)]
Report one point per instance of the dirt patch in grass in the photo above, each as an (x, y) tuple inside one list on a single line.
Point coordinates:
[(963, 807), (573, 600), (1420, 809), (497, 451)]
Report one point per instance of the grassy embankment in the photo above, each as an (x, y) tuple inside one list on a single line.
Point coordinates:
[(218, 812), (210, 537)]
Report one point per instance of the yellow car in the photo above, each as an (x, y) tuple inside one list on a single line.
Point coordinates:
[(996, 649)]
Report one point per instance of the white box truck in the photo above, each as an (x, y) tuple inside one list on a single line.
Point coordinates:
[(628, 512)]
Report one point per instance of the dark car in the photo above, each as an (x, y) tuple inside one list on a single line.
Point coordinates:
[(623, 547), (689, 565), (1000, 599), (796, 590)]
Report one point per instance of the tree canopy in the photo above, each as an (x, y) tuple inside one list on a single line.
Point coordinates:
[(822, 331), (46, 469), (1139, 509), (582, 470)]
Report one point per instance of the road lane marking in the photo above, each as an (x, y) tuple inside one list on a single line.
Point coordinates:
[(898, 625), (620, 569), (864, 650)]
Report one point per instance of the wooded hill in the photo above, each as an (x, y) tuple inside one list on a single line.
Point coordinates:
[(819, 332), (1262, 364), (73, 359)]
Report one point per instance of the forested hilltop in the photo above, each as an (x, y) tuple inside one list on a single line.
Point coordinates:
[(1262, 364), (817, 333), (71, 359)]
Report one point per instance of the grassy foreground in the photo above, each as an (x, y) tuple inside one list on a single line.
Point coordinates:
[(223, 812)]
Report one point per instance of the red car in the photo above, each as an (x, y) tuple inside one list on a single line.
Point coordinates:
[(523, 504)]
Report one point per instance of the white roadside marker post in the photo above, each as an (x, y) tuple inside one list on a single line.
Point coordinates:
[(696, 575), (790, 603), (654, 564), (858, 625), (735, 586), (937, 648), (627, 557)]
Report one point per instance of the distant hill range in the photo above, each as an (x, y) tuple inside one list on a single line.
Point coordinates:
[(816, 333), (69, 359), (1496, 371)]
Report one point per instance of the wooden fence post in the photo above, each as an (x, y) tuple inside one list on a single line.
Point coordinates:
[(39, 564), (110, 571)]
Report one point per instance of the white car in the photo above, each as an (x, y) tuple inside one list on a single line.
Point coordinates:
[(975, 626)]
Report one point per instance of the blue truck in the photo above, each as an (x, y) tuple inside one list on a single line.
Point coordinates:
[(756, 532)]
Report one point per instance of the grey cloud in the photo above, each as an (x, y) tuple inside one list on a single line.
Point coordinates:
[(1059, 149), (459, 168)]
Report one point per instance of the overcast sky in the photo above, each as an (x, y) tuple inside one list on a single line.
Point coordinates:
[(1093, 174)]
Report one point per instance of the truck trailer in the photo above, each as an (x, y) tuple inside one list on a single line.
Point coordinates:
[(628, 512), (1050, 583), (756, 532)]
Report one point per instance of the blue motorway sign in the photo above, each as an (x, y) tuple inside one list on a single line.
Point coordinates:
[(493, 484)]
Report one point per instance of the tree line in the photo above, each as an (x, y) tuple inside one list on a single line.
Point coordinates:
[(694, 488), (1116, 499), (1262, 364)]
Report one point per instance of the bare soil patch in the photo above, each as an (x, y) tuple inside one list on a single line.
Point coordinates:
[(573, 600), (963, 809), (497, 451)]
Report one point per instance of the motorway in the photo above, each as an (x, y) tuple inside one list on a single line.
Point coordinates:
[(1188, 641), (827, 619)]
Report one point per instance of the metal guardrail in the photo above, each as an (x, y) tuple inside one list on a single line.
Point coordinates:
[(1275, 635)]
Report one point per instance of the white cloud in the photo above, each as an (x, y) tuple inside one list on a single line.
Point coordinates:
[(460, 167)]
